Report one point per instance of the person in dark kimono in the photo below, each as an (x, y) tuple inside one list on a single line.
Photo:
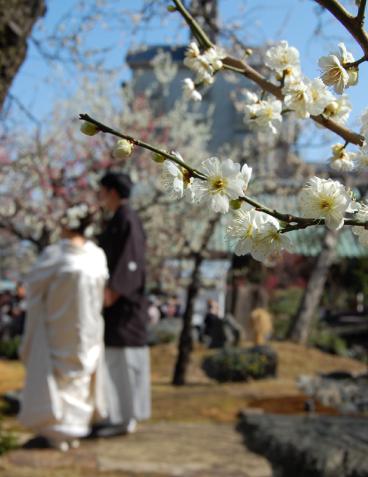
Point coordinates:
[(126, 316)]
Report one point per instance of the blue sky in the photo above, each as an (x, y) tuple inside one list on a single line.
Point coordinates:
[(40, 83)]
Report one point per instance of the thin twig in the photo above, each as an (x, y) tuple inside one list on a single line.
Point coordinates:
[(356, 63), (198, 32), (106, 129), (352, 24)]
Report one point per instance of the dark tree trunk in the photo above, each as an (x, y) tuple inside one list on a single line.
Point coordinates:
[(302, 322), (186, 341), (17, 18)]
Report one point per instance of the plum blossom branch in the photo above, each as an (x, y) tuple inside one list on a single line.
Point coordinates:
[(294, 222), (241, 67), (106, 129), (289, 222), (246, 70), (356, 63), (354, 25)]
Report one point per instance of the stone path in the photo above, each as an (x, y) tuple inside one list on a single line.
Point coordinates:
[(160, 449)]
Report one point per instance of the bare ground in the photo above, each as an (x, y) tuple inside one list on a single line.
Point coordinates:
[(191, 433)]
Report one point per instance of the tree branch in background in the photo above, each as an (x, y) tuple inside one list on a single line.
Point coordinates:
[(354, 25)]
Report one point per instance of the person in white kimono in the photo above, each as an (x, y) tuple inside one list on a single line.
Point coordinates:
[(62, 347)]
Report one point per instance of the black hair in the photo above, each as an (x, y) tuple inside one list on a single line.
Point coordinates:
[(119, 182)]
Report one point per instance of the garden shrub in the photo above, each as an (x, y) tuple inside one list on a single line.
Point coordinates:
[(239, 364)]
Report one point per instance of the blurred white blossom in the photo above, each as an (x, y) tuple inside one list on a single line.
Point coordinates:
[(264, 115), (360, 231), (341, 159), (164, 68), (203, 65), (190, 91), (175, 179), (361, 158)]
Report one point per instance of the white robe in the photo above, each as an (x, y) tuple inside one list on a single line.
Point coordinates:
[(62, 347)]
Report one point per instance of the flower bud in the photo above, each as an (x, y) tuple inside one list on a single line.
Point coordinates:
[(171, 8), (159, 158), (235, 204), (89, 129), (123, 149)]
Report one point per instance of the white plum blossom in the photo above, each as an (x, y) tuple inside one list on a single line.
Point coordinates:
[(284, 60), (341, 159), (339, 109), (325, 198), (199, 64), (175, 180), (307, 97), (214, 56), (361, 231), (256, 233), (298, 98), (265, 115), (250, 97), (361, 158), (268, 240), (191, 55), (204, 65), (190, 91), (334, 72), (320, 97), (242, 228), (224, 181)]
